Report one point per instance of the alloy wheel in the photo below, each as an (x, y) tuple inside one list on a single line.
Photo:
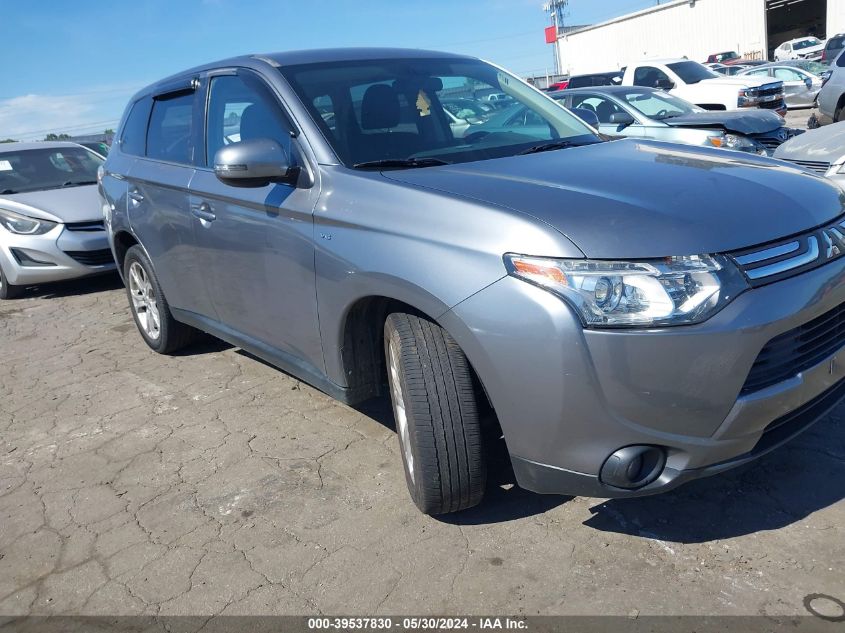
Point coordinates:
[(399, 408), (144, 301)]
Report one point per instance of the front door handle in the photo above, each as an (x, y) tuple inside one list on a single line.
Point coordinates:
[(203, 212), (135, 195)]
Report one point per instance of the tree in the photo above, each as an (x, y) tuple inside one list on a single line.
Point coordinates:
[(8, 140), (57, 137), (109, 131)]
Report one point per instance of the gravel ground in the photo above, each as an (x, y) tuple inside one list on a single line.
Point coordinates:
[(209, 482)]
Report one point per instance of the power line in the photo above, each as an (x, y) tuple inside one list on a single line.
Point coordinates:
[(80, 126)]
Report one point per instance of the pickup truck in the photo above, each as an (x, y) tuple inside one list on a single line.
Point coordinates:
[(698, 84)]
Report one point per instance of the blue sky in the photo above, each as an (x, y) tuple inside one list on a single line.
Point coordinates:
[(71, 66)]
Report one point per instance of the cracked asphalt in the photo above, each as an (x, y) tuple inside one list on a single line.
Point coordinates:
[(211, 483)]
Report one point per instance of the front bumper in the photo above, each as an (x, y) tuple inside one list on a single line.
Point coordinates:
[(568, 398), (55, 256)]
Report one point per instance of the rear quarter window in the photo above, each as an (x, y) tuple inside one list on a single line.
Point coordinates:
[(134, 133)]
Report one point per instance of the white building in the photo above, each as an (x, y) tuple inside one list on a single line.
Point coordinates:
[(697, 29)]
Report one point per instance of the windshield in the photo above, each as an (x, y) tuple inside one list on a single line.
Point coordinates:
[(691, 72), (800, 44), (721, 57), (835, 43), (48, 168), (657, 105), (816, 68), (393, 110)]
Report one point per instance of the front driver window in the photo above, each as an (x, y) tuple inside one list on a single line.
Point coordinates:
[(604, 108), (786, 74), (650, 77), (241, 107)]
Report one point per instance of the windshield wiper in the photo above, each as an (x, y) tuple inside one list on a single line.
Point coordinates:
[(79, 183), (400, 163), (552, 145)]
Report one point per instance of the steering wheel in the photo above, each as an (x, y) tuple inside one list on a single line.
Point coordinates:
[(476, 136), (662, 113)]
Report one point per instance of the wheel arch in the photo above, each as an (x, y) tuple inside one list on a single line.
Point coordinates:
[(361, 340), (123, 240)]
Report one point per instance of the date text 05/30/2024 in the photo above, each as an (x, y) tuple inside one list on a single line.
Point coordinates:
[(421, 623)]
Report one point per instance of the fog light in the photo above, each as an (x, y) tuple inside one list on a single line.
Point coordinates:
[(633, 467)]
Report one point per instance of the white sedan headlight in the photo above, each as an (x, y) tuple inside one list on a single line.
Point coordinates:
[(669, 291), (24, 225)]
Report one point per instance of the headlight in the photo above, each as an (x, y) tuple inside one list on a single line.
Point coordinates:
[(735, 142), (749, 98), (670, 291), (23, 225)]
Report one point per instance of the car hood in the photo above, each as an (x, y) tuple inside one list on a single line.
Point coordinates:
[(810, 50), (826, 144), (749, 122), (644, 199), (70, 204)]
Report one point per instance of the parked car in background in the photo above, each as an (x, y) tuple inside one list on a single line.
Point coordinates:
[(51, 218), (596, 79), (821, 151), (472, 110), (730, 71), (630, 312), (832, 49), (498, 99), (800, 87), (654, 114), (831, 99), (800, 48), (727, 59), (698, 84)]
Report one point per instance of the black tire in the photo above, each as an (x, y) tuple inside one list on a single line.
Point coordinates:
[(172, 335), (448, 470), (7, 290)]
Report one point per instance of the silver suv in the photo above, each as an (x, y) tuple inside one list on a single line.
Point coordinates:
[(635, 314)]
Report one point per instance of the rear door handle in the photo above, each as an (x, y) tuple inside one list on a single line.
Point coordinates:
[(136, 195), (203, 212)]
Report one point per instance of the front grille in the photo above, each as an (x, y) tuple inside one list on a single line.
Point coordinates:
[(817, 166), (792, 256), (797, 350), (93, 225), (771, 90), (773, 105), (92, 258), (772, 141)]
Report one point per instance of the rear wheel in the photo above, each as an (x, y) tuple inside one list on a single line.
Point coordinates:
[(434, 405), (7, 290), (150, 309)]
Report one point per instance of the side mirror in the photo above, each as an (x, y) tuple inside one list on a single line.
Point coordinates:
[(622, 118), (808, 82), (253, 163), (587, 116), (665, 84)]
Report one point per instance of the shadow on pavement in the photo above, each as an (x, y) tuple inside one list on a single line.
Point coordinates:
[(781, 488), (83, 286)]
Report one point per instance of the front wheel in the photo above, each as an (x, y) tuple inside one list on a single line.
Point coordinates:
[(434, 406), (150, 309)]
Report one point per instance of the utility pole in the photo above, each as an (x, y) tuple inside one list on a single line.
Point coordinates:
[(557, 11)]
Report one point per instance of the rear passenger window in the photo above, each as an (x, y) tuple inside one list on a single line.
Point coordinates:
[(133, 135), (169, 134)]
